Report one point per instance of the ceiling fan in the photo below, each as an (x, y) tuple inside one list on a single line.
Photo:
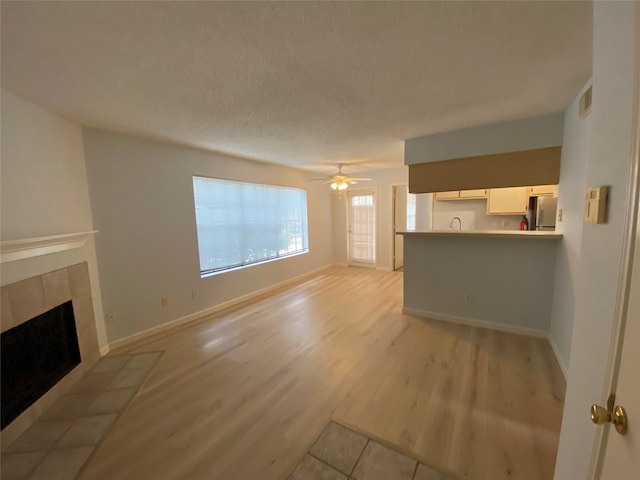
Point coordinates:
[(340, 181)]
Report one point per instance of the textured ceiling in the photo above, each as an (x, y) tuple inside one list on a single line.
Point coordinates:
[(303, 84)]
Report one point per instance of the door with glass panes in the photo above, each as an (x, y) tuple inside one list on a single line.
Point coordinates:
[(362, 227)]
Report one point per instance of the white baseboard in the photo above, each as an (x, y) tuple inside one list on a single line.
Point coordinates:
[(104, 350), (210, 310), (473, 322), (556, 352)]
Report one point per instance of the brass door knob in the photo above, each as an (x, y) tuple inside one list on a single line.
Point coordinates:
[(600, 416)]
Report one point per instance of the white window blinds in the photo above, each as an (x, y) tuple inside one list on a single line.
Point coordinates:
[(241, 224)]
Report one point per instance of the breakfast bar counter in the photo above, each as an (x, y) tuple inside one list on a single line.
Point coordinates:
[(500, 279), (537, 234)]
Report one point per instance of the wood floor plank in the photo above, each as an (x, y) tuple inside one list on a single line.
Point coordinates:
[(243, 394)]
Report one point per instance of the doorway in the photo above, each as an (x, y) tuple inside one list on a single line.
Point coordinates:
[(362, 227)]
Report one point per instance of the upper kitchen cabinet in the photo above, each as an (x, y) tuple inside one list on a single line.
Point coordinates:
[(452, 195), (461, 194), (477, 193), (540, 190), (508, 201)]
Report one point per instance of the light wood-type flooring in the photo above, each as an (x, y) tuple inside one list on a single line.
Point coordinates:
[(244, 394)]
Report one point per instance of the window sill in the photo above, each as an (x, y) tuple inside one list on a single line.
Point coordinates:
[(242, 267)]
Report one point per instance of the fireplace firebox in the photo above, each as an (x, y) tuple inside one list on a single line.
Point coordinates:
[(35, 356)]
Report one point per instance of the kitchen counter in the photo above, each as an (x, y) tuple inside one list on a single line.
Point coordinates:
[(501, 279), (539, 234)]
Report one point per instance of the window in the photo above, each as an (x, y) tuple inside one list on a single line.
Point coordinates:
[(411, 211), (242, 224)]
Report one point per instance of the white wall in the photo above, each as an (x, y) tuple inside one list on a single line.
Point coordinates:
[(382, 181), (530, 133), (473, 215), (609, 159), (505, 282), (573, 183), (142, 202), (44, 191)]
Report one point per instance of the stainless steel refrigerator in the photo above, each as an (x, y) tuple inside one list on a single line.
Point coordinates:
[(543, 213)]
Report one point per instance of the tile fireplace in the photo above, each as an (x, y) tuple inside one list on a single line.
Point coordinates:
[(49, 352), (35, 356)]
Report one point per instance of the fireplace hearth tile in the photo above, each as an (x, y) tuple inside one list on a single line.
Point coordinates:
[(41, 436), (143, 360), (69, 406), (111, 364), (87, 431), (18, 466), (94, 382), (58, 448), (111, 401), (62, 464), (128, 378)]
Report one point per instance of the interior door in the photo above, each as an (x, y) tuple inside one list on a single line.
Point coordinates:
[(621, 458), (622, 452), (400, 197), (362, 227)]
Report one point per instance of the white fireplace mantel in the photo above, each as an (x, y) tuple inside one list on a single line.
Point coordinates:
[(12, 250)]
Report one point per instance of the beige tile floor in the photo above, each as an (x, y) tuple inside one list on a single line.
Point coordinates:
[(62, 440), (341, 454)]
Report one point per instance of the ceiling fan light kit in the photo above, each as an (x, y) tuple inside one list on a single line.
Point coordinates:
[(340, 185), (339, 181)]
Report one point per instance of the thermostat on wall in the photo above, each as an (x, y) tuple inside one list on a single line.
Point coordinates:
[(595, 204)]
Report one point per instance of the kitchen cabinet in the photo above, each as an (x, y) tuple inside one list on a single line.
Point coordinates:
[(508, 201), (542, 190), (478, 193), (461, 194), (453, 195)]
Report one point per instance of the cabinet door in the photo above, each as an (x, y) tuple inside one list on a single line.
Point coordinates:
[(543, 190), (447, 195), (508, 201), (480, 193)]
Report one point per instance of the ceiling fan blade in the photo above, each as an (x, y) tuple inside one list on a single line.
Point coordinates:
[(361, 179), (324, 179)]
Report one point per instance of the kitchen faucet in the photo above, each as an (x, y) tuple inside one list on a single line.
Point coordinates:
[(459, 223)]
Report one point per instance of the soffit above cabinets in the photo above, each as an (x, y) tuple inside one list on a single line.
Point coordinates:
[(505, 137), (515, 169)]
